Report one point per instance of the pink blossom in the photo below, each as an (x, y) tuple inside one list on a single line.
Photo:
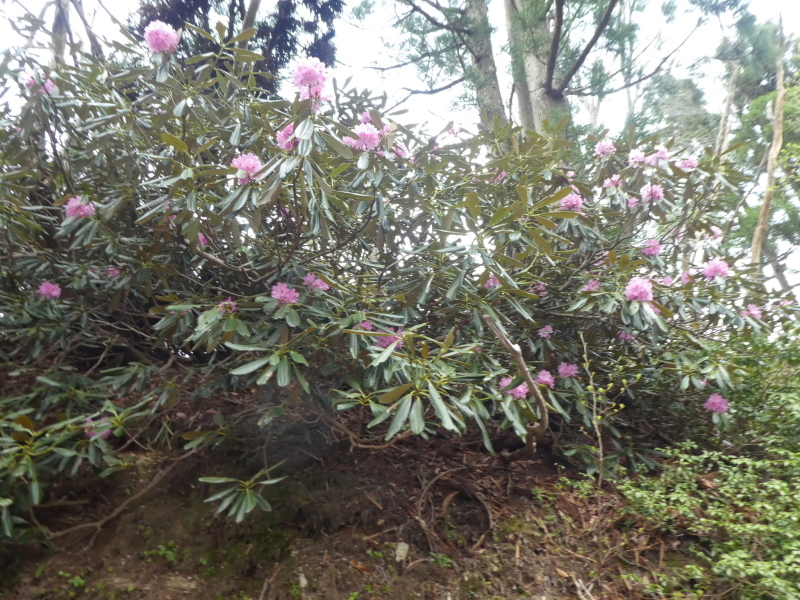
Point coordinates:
[(455, 131), (651, 248), (310, 75), (545, 377), (625, 336), (570, 174), (668, 281), (716, 404), (688, 164), (365, 117), (49, 290), (545, 332), (91, 433), (400, 150), (572, 202), (651, 160), (500, 176), (613, 181), (652, 192), (202, 239), (635, 157), (161, 37), (592, 286), (366, 325), (703, 382), (285, 139), (716, 233), (227, 306), (604, 148), (369, 137), (639, 289), (567, 370), (248, 164), (75, 208), (785, 303), (47, 86), (633, 202), (315, 282), (662, 153), (519, 392), (540, 287), (284, 294), (387, 340), (716, 268), (112, 271), (752, 311), (491, 282), (478, 349)]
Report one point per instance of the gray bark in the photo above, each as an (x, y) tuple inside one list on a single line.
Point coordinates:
[(484, 76)]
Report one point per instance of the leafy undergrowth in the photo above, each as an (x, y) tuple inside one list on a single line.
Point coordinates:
[(437, 519)]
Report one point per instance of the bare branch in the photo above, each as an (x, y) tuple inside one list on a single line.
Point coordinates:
[(414, 60), (426, 92), (433, 20), (590, 44), (551, 57)]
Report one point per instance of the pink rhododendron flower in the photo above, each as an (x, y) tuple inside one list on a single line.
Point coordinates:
[(310, 74), (366, 325), (716, 404), (315, 282), (688, 164), (572, 202), (400, 150), (227, 306), (387, 340), (202, 239), (592, 286), (752, 311), (284, 294), (567, 370), (112, 271), (519, 392), (716, 233), (75, 208), (499, 178), (604, 148), (716, 268), (635, 157), (545, 331), (625, 336), (633, 202), (570, 174), (785, 303), (47, 86), (639, 289), (613, 181), (369, 137), (540, 287), (285, 139), (652, 192), (91, 433), (49, 290), (662, 153), (668, 281), (365, 117), (491, 282), (651, 248), (545, 377), (248, 164), (161, 37)]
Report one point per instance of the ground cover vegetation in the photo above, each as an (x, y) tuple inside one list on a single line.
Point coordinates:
[(191, 260)]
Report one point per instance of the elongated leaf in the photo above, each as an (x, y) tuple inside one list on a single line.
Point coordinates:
[(400, 417)]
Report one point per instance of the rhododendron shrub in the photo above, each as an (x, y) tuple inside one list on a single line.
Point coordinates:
[(285, 244)]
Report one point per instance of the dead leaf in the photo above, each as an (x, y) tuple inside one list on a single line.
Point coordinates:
[(562, 573), (358, 566)]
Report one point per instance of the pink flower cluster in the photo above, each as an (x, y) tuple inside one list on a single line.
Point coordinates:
[(592, 286), (651, 248), (284, 294), (716, 233), (369, 137), (161, 37), (76, 209), (499, 178), (92, 433), (520, 392), (686, 276), (716, 404), (285, 139), (635, 157), (639, 289), (613, 181), (492, 281), (545, 377), (387, 340), (688, 164), (314, 282), (47, 86), (248, 164), (545, 332), (365, 117), (49, 290), (633, 202), (716, 268), (567, 370), (604, 148), (752, 311), (227, 306), (366, 325), (540, 287), (572, 202), (309, 79), (626, 337), (652, 192), (202, 239)]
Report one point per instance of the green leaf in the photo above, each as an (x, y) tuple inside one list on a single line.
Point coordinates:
[(416, 417), (392, 395), (250, 367), (400, 417), (243, 36), (176, 143), (337, 145), (474, 205), (440, 408)]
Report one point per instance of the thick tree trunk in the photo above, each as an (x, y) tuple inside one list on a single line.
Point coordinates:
[(724, 123), (484, 75), (772, 159), (517, 67)]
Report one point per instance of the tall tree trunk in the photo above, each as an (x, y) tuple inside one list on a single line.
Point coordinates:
[(512, 8), (724, 123), (484, 75), (772, 159), (778, 268)]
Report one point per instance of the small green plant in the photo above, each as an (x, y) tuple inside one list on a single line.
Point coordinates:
[(166, 552), (441, 560), (240, 498)]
